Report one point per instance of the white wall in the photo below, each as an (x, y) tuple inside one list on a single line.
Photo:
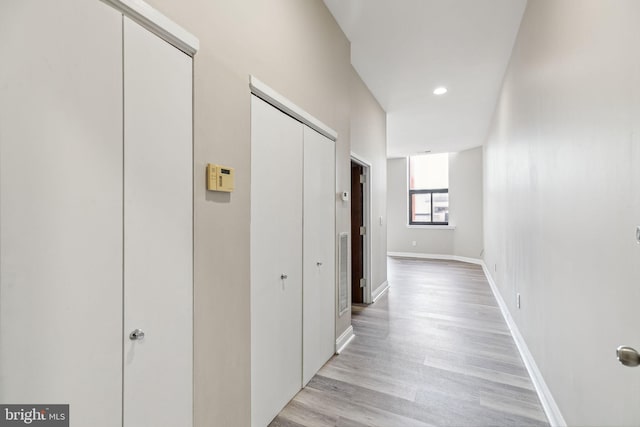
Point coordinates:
[(369, 142), (465, 210), (562, 200), (465, 194)]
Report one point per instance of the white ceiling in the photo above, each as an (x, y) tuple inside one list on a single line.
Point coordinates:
[(404, 49)]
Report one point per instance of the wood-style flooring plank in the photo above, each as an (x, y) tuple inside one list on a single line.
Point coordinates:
[(433, 351)]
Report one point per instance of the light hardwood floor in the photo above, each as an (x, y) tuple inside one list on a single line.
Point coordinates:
[(434, 351)]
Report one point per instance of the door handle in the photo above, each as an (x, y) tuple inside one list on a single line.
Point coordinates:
[(628, 356), (283, 276), (137, 334), (319, 264)]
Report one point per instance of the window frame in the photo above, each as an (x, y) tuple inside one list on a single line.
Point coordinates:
[(412, 192)]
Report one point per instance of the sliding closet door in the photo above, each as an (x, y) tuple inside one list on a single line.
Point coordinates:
[(158, 231), (319, 253), (61, 207), (276, 260)]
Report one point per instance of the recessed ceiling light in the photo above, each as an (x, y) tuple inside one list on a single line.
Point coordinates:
[(440, 90)]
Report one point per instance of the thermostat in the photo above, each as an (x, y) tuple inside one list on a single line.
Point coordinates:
[(220, 178)]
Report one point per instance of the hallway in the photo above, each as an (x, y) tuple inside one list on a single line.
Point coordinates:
[(407, 365)]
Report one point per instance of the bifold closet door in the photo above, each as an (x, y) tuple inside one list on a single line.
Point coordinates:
[(319, 253), (276, 260), (61, 207), (158, 258)]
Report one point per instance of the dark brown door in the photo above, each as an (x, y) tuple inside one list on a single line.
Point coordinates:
[(357, 239)]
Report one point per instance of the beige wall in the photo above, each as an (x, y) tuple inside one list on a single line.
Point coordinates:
[(296, 48), (465, 210), (465, 202), (562, 200), (369, 142)]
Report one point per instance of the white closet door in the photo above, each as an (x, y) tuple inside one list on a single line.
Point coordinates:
[(158, 231), (276, 250), (319, 253), (61, 207)]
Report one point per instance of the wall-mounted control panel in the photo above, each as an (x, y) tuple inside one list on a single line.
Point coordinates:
[(220, 178)]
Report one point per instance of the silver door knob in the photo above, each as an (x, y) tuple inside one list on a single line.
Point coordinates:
[(284, 276), (628, 356), (137, 334)]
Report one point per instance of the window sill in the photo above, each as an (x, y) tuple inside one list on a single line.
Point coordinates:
[(433, 227)]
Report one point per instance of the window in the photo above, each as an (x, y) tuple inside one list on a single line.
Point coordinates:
[(429, 189)]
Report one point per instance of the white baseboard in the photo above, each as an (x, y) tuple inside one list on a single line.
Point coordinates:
[(436, 256), (379, 291), (419, 255), (549, 405), (343, 340), (467, 259)]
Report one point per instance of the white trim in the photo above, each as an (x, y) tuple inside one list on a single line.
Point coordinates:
[(269, 95), (436, 256), (343, 340), (158, 24), (368, 224), (380, 291), (360, 159), (419, 255), (549, 404), (467, 259), (432, 227)]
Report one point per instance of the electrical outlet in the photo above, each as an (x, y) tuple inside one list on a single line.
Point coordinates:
[(413, 243), (518, 299)]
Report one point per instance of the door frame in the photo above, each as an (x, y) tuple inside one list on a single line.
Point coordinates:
[(366, 213)]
